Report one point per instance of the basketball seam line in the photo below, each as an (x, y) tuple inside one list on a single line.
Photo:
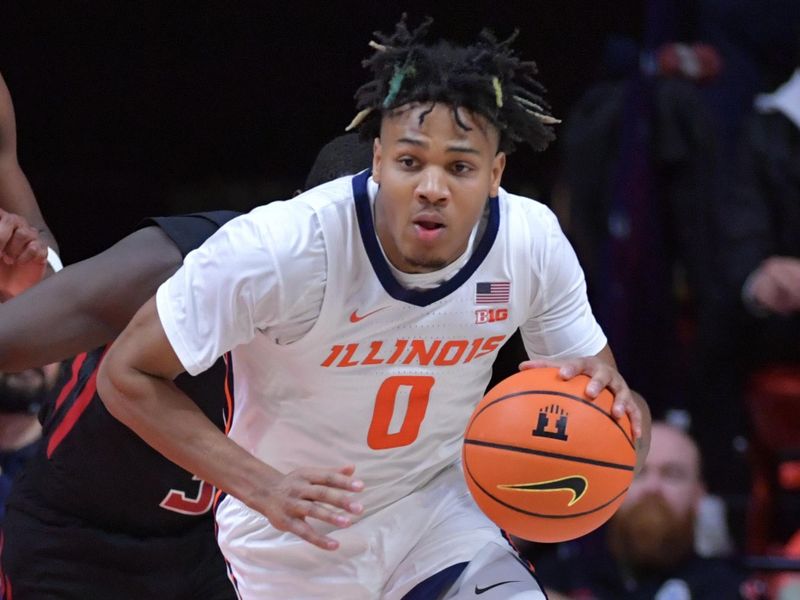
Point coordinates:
[(564, 395), (533, 514), (588, 461)]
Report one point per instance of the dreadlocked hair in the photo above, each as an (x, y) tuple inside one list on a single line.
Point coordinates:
[(486, 78)]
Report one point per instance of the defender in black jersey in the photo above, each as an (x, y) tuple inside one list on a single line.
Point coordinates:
[(97, 513)]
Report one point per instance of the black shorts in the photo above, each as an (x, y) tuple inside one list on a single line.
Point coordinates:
[(43, 561)]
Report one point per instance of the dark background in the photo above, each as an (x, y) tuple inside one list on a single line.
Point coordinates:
[(128, 109)]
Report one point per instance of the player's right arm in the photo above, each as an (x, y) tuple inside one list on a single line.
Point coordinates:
[(135, 384)]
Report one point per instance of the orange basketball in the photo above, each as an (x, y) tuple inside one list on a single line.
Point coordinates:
[(544, 461)]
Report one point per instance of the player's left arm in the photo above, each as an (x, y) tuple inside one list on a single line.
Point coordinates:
[(603, 373), (563, 333)]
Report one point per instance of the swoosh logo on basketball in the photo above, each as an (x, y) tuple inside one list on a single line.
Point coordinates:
[(480, 590), (355, 317), (577, 484)]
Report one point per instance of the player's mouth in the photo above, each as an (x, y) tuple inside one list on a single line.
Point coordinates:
[(429, 227)]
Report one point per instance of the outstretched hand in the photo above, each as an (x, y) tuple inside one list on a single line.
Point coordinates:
[(23, 255), (602, 375), (315, 493)]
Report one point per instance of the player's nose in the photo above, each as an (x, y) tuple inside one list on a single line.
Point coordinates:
[(432, 186)]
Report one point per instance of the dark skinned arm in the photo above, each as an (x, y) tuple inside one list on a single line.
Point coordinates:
[(16, 195), (87, 304)]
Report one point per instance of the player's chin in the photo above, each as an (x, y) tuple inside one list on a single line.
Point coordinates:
[(426, 262)]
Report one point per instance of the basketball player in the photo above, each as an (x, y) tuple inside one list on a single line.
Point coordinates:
[(362, 318), (98, 513)]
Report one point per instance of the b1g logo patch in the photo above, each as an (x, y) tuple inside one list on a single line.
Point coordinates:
[(490, 315)]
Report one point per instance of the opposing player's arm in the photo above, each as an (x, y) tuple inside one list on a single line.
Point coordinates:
[(16, 195), (87, 304), (135, 384)]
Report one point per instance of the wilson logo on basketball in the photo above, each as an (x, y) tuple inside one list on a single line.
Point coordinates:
[(552, 423), (577, 484)]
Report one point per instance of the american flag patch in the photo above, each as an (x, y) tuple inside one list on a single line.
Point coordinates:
[(493, 292)]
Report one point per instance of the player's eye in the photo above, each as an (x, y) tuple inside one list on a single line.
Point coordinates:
[(461, 168), (407, 162)]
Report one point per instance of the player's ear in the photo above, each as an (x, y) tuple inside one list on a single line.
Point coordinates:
[(498, 166), (376, 160)]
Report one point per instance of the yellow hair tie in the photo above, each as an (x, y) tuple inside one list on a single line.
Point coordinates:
[(498, 92)]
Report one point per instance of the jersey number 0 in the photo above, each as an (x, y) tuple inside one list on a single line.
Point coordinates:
[(419, 391)]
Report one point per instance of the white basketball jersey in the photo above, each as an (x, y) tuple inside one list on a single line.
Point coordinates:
[(387, 377)]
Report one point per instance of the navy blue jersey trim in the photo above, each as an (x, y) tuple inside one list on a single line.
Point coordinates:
[(436, 584), (390, 284)]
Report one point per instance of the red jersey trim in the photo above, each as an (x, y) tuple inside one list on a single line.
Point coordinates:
[(77, 409), (77, 363)]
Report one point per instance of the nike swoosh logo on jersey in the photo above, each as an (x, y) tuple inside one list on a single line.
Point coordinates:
[(480, 590), (355, 318)]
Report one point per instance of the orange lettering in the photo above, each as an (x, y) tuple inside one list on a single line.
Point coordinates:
[(418, 349), (491, 344), (459, 346), (400, 346), (334, 353), (375, 347), (476, 344), (346, 359)]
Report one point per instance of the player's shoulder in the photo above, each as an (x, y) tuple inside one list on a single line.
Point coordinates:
[(334, 190), (524, 212), (328, 196), (294, 227)]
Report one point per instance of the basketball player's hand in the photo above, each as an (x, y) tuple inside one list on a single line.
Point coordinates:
[(315, 493), (23, 255), (602, 375)]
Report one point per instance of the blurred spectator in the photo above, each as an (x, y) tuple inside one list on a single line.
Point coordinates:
[(21, 397), (757, 40), (638, 150), (786, 586), (760, 227), (758, 349), (649, 548)]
